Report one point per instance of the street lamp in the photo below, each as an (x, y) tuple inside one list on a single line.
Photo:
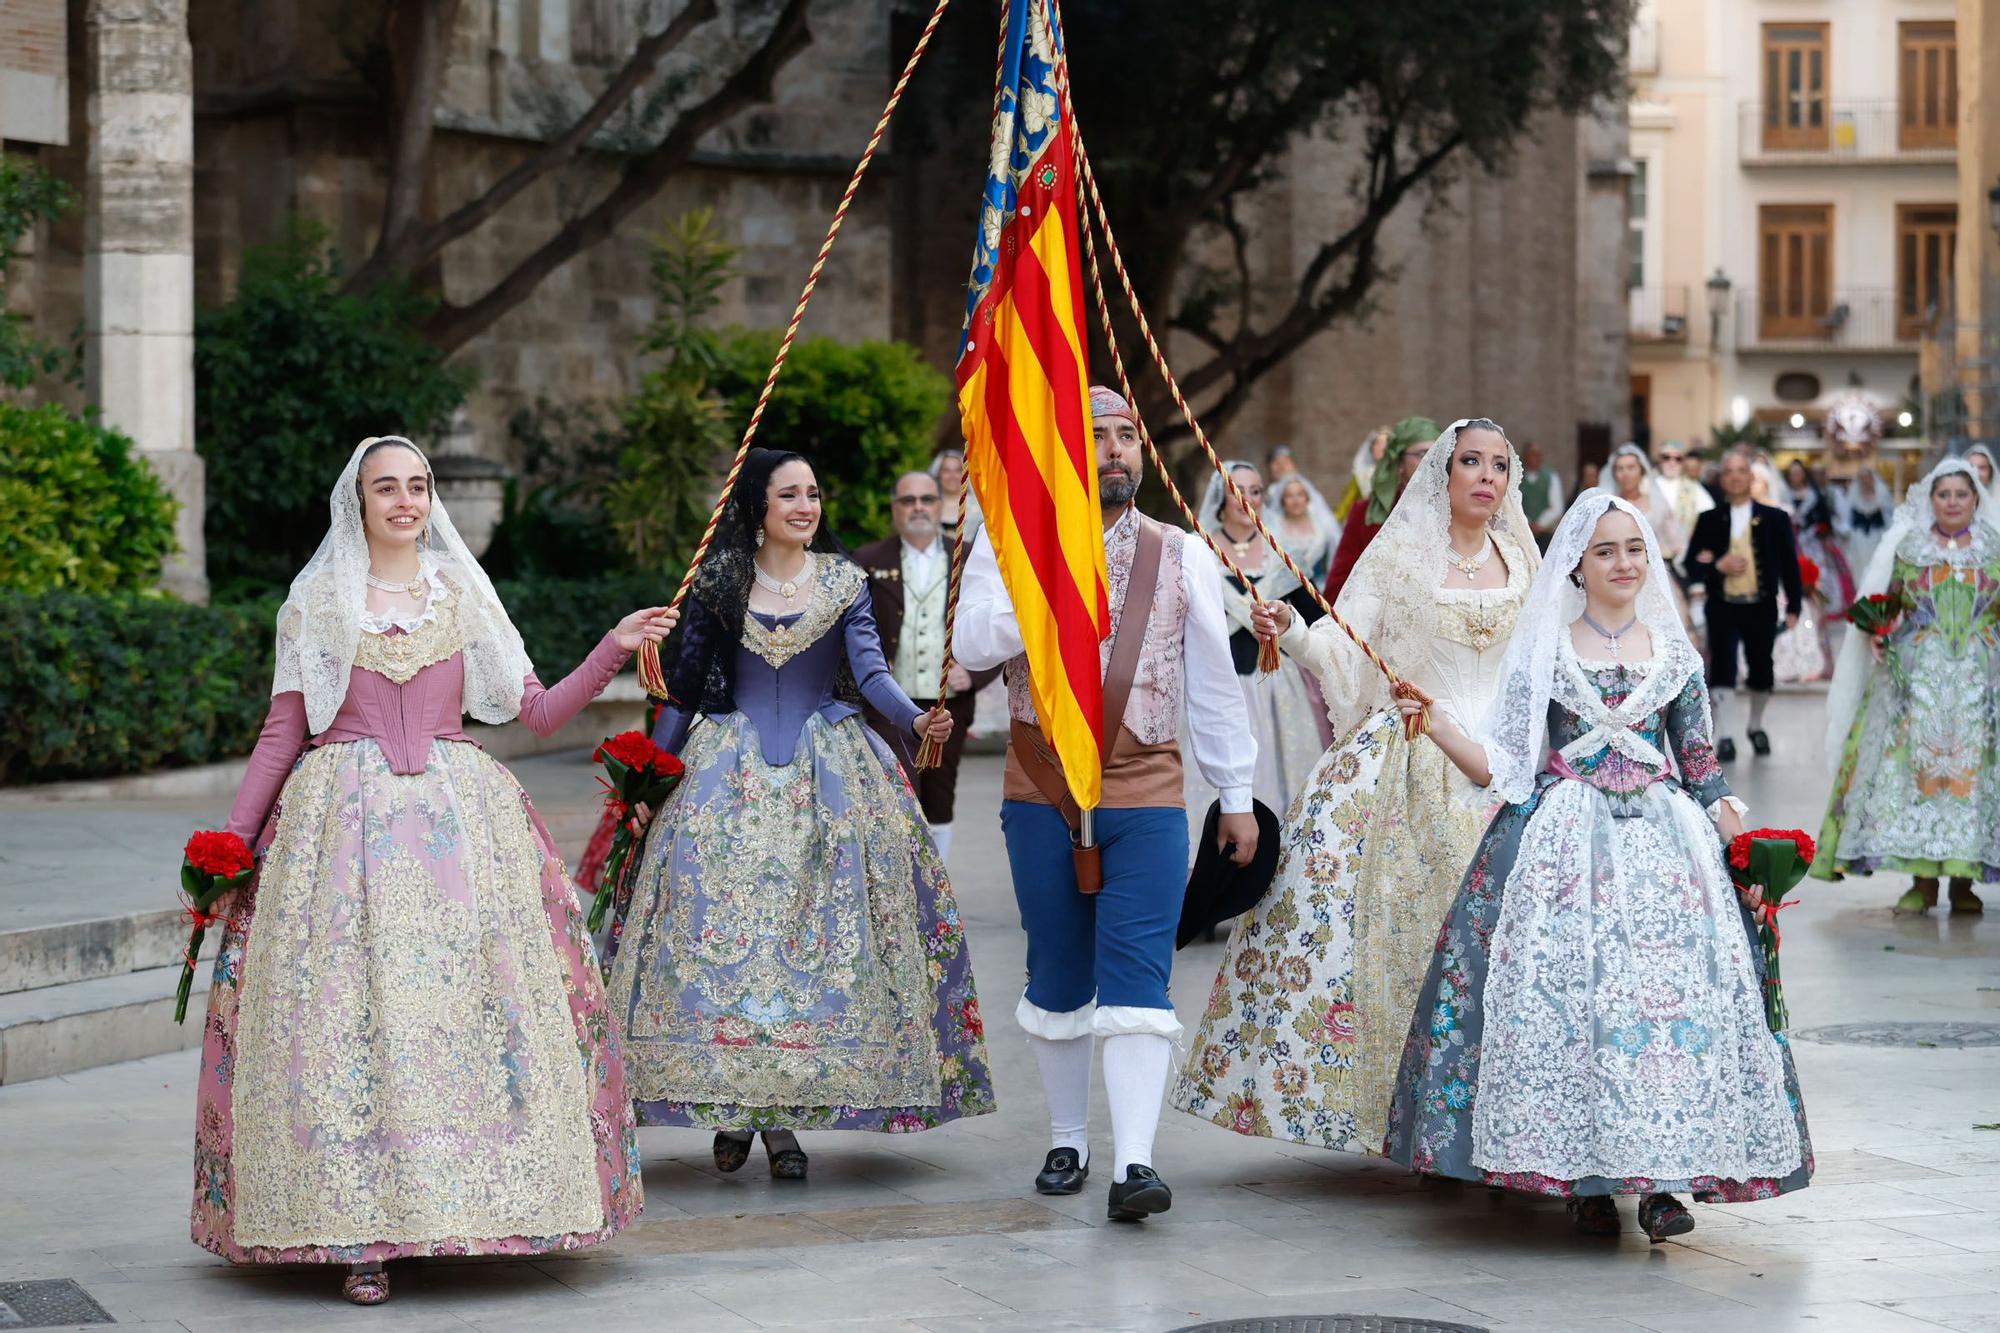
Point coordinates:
[(1718, 289)]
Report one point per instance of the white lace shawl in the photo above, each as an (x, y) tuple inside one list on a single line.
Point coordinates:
[(1515, 731), (1910, 528), (319, 626), (1391, 597)]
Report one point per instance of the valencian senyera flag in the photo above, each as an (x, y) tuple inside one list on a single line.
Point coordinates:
[(1023, 398)]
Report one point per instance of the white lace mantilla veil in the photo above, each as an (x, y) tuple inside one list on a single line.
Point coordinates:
[(1275, 581), (1852, 668), (319, 626), (1391, 573), (1515, 730)]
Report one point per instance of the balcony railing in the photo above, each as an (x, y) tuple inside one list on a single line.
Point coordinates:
[(1852, 320), (1819, 133), (1659, 314)]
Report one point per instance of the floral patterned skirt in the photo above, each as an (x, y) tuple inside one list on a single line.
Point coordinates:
[(1918, 788), (1593, 1020), (407, 1048), (1308, 1013), (791, 955)]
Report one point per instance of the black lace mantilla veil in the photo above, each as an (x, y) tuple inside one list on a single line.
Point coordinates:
[(703, 674)]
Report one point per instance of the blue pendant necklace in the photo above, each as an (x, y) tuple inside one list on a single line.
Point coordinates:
[(1610, 636)]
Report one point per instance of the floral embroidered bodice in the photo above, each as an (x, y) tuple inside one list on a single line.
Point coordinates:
[(1631, 730)]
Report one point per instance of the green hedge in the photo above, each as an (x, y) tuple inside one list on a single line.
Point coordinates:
[(94, 687), (83, 513), (98, 686)]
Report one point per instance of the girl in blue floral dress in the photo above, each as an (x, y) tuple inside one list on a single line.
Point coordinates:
[(1593, 1021)]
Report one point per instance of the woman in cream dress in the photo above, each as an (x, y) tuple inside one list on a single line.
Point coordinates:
[(1306, 1022)]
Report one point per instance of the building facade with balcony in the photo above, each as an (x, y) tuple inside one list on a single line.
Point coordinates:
[(1795, 207)]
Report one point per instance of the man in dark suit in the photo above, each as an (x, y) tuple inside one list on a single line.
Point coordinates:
[(909, 578), (1743, 552)]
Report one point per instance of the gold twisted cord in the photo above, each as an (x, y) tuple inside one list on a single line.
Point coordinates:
[(650, 674), (1087, 180)]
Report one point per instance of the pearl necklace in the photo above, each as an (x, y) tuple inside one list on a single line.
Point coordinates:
[(1468, 565), (1610, 636), (789, 588), (414, 588)]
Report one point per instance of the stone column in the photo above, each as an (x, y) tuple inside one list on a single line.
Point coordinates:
[(139, 251)]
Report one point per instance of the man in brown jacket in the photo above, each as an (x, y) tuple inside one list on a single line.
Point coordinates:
[(909, 579)]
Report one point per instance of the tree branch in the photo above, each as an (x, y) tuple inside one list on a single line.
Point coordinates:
[(451, 327), (419, 40), (1248, 357), (646, 58)]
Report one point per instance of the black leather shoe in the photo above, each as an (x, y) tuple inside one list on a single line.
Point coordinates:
[(1142, 1194), (1725, 750), (1062, 1173), (1760, 741)]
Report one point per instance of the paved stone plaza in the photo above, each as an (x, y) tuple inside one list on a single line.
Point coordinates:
[(941, 1231)]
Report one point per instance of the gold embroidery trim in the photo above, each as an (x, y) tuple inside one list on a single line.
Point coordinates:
[(835, 589), (401, 656)]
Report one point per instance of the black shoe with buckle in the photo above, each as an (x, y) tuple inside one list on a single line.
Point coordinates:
[(1760, 740), (1142, 1194), (1063, 1172), (1725, 751)]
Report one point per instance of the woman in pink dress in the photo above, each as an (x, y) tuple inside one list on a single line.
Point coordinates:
[(407, 1048)]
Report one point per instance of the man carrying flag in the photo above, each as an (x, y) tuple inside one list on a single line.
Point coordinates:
[(1098, 963)]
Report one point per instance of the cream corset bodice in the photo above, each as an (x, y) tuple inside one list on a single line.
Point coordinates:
[(1462, 669)]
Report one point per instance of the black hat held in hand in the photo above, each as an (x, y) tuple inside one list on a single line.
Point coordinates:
[(1218, 889)]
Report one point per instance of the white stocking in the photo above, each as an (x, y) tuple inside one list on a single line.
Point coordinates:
[(1758, 698), (1066, 1086), (1135, 1079), (941, 835), (1719, 700)]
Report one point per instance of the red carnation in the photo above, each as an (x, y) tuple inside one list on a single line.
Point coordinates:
[(635, 750), (221, 854), (213, 863), (640, 773), (1809, 574), (1772, 861)]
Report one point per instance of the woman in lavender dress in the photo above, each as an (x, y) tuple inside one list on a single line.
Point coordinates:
[(790, 954), (407, 1049)]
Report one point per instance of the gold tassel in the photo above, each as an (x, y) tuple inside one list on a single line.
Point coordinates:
[(1420, 725), (931, 753), (1267, 656)]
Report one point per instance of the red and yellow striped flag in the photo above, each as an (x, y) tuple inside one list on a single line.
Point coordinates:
[(1024, 400)]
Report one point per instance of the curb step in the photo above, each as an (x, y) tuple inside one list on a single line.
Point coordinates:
[(84, 1024), (71, 951)]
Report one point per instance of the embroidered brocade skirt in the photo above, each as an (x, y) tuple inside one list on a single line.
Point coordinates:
[(791, 954), (1307, 1017), (1593, 1020), (407, 1048), (1918, 788)]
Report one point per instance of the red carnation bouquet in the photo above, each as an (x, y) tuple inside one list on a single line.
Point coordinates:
[(213, 863), (1809, 576), (1875, 615), (1772, 861), (640, 773)]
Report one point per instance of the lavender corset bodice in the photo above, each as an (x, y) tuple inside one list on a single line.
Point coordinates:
[(786, 666)]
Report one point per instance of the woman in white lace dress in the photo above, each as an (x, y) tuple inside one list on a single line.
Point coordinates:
[(1593, 1022), (1306, 1021)]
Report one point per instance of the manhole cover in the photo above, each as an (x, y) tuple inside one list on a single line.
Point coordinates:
[(48, 1304), (1905, 1034), (1331, 1323)]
